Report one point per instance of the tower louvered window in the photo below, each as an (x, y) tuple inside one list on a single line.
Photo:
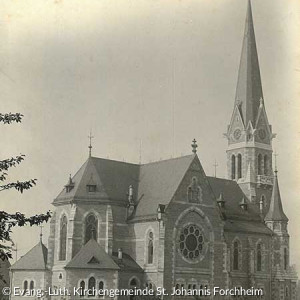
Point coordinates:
[(286, 258), (233, 167), (91, 224), (259, 164), (63, 238), (266, 165), (239, 166)]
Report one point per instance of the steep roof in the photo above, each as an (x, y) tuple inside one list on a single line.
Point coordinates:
[(159, 182), (236, 218), (249, 87), (112, 179), (276, 212), (153, 183), (92, 256), (35, 259)]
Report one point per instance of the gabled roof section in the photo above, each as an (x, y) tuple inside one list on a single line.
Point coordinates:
[(159, 181), (35, 259), (236, 218), (249, 87), (112, 179), (276, 212), (127, 263), (92, 256)]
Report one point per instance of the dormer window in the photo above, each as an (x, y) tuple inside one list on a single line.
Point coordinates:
[(69, 187), (91, 188)]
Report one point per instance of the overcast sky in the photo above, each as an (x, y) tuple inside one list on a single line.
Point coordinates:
[(160, 72)]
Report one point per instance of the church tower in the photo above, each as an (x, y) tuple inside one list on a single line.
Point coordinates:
[(249, 134)]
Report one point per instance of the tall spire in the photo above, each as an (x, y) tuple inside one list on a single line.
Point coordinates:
[(249, 88), (276, 212)]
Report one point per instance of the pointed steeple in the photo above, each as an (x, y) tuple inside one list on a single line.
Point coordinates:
[(249, 88), (276, 212)]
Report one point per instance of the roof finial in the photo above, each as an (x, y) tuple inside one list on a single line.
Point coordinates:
[(194, 146), (275, 162), (90, 146), (215, 166), (41, 233)]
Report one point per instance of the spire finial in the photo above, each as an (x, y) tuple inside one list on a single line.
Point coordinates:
[(275, 162), (90, 146), (194, 146), (41, 233), (215, 166)]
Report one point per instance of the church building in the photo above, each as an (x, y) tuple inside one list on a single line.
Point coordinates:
[(119, 225)]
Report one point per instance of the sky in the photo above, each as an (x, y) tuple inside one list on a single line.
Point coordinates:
[(146, 77)]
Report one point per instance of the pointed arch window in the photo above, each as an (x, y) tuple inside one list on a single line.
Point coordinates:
[(91, 225), (259, 257), (150, 249), (25, 285), (266, 165), (239, 157), (92, 286), (31, 285), (259, 164), (82, 288), (236, 255), (233, 167), (285, 259), (63, 238)]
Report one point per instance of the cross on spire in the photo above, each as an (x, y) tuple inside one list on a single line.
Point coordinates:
[(194, 146), (215, 166), (90, 145), (41, 233)]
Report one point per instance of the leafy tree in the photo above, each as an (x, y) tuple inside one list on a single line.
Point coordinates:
[(9, 221)]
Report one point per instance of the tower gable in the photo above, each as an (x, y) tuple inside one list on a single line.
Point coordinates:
[(236, 129), (262, 127)]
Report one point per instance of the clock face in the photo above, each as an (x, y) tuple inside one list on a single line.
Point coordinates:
[(237, 134), (262, 134)]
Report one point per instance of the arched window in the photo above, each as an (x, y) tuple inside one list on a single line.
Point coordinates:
[(82, 288), (239, 166), (258, 258), (63, 238), (286, 258), (25, 285), (266, 165), (101, 288), (91, 224), (132, 285), (259, 164), (177, 287), (101, 285), (233, 167), (236, 255), (150, 248), (92, 286), (286, 292), (31, 285)]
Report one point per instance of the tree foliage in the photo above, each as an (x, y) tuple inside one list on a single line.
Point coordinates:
[(9, 221)]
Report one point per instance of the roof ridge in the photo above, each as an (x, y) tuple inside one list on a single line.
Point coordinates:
[(168, 159)]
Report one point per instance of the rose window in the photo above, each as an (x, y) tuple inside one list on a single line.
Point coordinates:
[(191, 242)]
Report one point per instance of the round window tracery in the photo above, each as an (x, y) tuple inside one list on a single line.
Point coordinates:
[(191, 242)]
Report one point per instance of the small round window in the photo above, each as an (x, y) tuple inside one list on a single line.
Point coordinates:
[(191, 242)]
